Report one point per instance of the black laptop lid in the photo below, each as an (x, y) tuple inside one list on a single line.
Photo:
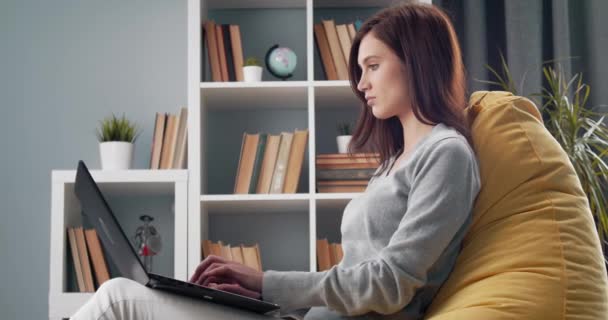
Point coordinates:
[(113, 239)]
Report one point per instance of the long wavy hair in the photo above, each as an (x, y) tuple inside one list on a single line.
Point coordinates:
[(424, 39)]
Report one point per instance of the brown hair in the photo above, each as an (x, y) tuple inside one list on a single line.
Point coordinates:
[(424, 39)]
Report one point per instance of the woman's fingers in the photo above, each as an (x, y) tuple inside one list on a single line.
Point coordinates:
[(224, 272), (217, 280), (203, 265), (206, 263)]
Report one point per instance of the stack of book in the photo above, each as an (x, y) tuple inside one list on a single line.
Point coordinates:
[(340, 172), (270, 163), (225, 51), (334, 42), (249, 256), (87, 256), (170, 141), (328, 254)]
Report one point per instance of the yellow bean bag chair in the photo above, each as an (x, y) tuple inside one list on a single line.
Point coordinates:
[(532, 251)]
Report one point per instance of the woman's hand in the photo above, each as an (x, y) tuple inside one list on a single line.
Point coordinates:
[(219, 273)]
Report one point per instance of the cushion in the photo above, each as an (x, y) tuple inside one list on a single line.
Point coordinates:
[(532, 251)]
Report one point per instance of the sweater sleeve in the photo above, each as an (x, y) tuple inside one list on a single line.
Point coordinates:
[(444, 185)]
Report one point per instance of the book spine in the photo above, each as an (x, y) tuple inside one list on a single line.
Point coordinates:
[(278, 178), (346, 174), (229, 55), (257, 165)]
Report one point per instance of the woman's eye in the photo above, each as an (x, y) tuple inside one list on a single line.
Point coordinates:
[(373, 66)]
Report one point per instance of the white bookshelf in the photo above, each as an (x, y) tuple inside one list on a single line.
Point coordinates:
[(305, 96), (203, 192), (66, 212)]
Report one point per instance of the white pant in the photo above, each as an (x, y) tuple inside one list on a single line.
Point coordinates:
[(121, 298)]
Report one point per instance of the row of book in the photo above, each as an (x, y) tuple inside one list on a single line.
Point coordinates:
[(334, 42), (247, 255), (87, 256), (328, 254), (270, 163), (341, 172), (225, 51), (170, 141)]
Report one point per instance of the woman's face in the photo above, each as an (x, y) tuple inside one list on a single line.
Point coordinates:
[(383, 79)]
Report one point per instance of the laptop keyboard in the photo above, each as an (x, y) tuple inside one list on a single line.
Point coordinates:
[(174, 281)]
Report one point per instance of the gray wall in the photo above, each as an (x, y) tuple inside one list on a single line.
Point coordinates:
[(64, 65)]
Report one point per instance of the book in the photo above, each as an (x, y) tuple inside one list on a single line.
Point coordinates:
[(181, 141), (296, 158), (84, 260), (214, 59), (229, 56), (257, 163), (216, 249), (246, 163), (332, 254), (99, 263), (351, 32), (168, 148), (76, 260), (278, 177), (348, 156), (251, 257), (344, 174), (335, 253), (225, 251), (344, 39), (339, 253), (270, 159), (237, 254), (335, 49), (323, 46), (221, 51), (237, 51), (157, 139), (323, 261), (206, 247), (345, 189)]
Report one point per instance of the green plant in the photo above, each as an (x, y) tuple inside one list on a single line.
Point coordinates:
[(344, 128), (115, 129), (580, 131), (252, 61)]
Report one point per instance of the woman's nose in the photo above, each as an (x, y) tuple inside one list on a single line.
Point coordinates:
[(362, 85)]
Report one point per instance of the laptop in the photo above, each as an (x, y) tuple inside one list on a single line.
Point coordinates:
[(113, 239)]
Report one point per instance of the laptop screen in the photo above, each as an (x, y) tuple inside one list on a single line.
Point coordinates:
[(113, 239)]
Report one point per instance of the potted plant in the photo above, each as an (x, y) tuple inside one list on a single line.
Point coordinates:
[(116, 138), (344, 136), (580, 131), (252, 70)]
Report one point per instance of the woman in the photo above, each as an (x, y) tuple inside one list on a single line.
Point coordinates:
[(401, 237)]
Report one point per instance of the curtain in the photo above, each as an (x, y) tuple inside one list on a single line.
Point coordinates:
[(529, 32)]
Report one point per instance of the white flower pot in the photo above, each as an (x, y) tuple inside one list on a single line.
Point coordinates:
[(252, 73), (116, 155), (343, 142)]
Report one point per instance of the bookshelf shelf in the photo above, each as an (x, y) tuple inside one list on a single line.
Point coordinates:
[(238, 95), (353, 3), (258, 4), (254, 203), (334, 94)]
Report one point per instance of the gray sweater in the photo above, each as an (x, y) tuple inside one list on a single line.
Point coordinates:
[(400, 239)]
